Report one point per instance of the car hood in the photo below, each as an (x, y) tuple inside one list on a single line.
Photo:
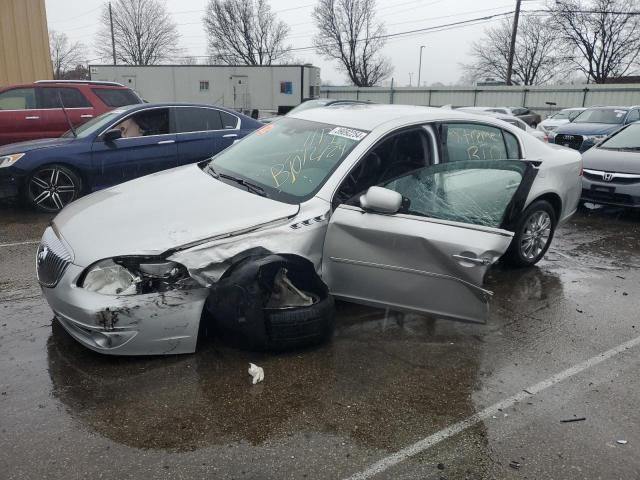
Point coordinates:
[(611, 160), (23, 147), (588, 128), (160, 212)]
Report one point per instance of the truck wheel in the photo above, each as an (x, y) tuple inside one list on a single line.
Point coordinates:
[(533, 235), (51, 187)]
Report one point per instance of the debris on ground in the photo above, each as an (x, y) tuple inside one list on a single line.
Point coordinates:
[(621, 442), (569, 420), (441, 466), (515, 465), (256, 372)]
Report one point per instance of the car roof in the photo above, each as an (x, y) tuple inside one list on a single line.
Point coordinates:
[(141, 106), (370, 116)]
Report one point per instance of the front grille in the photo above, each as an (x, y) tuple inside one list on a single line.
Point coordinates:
[(571, 141), (616, 179), (609, 197), (52, 259)]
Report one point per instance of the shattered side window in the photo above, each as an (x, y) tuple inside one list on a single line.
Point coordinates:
[(469, 141), (474, 192)]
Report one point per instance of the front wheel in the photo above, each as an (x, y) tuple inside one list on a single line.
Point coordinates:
[(533, 235), (52, 187)]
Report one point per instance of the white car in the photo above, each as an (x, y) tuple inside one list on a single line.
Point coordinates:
[(387, 205), (509, 119), (564, 116)]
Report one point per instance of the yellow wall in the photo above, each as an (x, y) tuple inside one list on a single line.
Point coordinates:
[(24, 42)]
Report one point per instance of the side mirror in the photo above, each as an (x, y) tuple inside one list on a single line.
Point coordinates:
[(111, 135), (381, 200)]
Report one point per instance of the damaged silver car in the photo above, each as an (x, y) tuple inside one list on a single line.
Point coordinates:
[(385, 205)]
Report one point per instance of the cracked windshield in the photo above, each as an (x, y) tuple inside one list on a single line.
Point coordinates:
[(290, 158)]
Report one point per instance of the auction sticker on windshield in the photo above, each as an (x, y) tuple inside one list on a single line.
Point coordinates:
[(349, 133)]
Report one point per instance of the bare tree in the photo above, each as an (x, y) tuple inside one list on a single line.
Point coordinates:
[(144, 33), (245, 32), (537, 58), (65, 55), (604, 34), (349, 33)]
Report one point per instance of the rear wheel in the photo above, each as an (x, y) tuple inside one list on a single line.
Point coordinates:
[(52, 187), (533, 235)]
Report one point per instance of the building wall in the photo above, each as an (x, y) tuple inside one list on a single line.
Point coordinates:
[(237, 87), (535, 98), (24, 42)]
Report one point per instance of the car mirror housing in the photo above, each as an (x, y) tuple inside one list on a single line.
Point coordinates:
[(111, 135), (381, 200)]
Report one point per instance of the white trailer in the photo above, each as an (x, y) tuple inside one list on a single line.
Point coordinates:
[(274, 88)]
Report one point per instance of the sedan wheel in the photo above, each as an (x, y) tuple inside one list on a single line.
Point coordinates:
[(52, 187), (533, 235)]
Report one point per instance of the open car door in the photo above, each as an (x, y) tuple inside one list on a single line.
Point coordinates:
[(432, 254)]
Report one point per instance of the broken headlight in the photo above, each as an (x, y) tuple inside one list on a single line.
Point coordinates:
[(135, 275)]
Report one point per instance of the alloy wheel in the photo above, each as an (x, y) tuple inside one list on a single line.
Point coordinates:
[(52, 188), (536, 234)]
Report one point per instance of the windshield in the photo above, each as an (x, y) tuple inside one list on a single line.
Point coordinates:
[(290, 159), (626, 138), (601, 115), (560, 116), (94, 125)]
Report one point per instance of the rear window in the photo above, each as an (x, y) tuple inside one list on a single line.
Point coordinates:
[(116, 97)]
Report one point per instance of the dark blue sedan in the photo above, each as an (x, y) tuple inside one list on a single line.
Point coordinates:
[(117, 146)]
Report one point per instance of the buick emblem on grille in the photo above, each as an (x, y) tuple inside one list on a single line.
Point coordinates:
[(42, 254), (607, 177)]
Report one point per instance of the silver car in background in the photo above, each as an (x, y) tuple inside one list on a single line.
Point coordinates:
[(612, 169), (386, 205), (564, 116)]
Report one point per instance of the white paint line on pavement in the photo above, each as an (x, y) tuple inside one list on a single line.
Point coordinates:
[(428, 442), (29, 242)]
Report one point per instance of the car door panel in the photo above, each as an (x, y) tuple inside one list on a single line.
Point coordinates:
[(433, 255), (20, 118), (411, 264)]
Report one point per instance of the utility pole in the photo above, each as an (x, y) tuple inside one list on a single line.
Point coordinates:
[(113, 39), (514, 34), (420, 65), (410, 77)]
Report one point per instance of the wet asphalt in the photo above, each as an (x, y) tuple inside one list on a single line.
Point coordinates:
[(382, 384)]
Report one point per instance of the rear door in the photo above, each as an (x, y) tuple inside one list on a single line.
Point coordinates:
[(200, 133), (76, 106), (20, 118), (148, 145), (431, 256)]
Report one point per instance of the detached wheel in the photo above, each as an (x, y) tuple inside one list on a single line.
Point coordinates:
[(533, 235), (52, 187), (297, 327)]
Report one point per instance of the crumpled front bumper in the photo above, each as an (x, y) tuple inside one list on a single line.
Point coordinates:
[(150, 324)]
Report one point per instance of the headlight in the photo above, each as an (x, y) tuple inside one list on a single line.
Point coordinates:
[(593, 138), (8, 160), (135, 275)]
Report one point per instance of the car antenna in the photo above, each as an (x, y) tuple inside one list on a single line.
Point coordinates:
[(64, 110)]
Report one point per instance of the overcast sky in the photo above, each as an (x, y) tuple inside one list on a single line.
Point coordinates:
[(444, 50)]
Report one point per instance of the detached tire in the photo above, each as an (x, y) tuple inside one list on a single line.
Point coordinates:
[(533, 235), (297, 327)]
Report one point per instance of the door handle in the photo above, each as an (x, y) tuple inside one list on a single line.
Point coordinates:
[(230, 135), (165, 142), (477, 261), (31, 118), (86, 116)]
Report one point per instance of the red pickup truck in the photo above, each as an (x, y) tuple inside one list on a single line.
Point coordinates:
[(35, 110)]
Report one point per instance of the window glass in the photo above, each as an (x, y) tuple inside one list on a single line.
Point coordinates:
[(143, 124), (602, 115), (467, 141), (513, 147), (228, 120), (71, 98), (18, 99), (634, 116), (291, 158), (475, 192), (190, 119), (116, 97)]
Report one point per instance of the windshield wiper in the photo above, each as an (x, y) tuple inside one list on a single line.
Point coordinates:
[(211, 171), (252, 187)]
